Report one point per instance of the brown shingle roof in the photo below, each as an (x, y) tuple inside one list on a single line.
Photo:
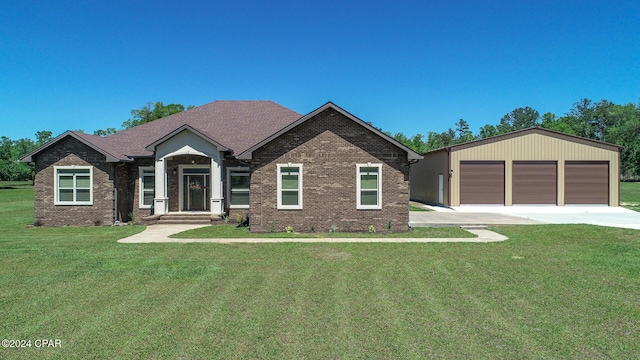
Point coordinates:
[(111, 153), (235, 124)]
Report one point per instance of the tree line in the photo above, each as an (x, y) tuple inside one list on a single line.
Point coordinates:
[(602, 120)]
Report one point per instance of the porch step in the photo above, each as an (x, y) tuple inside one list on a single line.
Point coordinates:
[(186, 218)]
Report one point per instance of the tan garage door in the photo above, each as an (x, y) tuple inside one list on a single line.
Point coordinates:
[(481, 182), (586, 182), (535, 182)]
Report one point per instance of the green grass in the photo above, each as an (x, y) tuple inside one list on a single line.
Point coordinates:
[(551, 291), (417, 208), (231, 231), (630, 195)]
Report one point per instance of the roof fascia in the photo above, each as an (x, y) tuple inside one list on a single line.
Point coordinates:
[(248, 154)]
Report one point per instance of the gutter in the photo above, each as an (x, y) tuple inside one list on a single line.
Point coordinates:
[(116, 194)]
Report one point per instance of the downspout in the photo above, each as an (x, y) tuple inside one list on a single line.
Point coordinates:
[(449, 177), (115, 194)]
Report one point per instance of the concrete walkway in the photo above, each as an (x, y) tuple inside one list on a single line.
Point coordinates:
[(160, 234), (613, 216), (452, 218)]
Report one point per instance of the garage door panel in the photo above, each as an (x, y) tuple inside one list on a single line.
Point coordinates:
[(586, 182), (535, 182), (482, 182)]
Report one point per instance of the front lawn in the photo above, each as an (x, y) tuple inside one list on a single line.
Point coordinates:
[(630, 195), (551, 291)]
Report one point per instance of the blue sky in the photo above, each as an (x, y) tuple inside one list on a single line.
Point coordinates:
[(408, 66)]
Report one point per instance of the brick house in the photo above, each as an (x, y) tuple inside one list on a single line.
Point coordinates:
[(248, 159)]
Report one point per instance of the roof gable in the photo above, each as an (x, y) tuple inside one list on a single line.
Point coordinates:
[(152, 146), (95, 142), (248, 154)]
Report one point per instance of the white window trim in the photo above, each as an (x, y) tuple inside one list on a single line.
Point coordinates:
[(229, 171), (141, 171), (290, 207), (359, 206), (56, 200)]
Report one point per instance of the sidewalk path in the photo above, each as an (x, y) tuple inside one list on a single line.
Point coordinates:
[(160, 234)]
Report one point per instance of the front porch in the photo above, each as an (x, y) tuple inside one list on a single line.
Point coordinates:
[(188, 174), (192, 183)]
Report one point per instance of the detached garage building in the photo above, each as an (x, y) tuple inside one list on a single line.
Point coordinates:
[(525, 167)]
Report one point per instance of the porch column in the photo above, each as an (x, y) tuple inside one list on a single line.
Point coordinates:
[(217, 202), (160, 203)]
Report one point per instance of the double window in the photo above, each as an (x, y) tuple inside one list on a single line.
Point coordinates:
[(239, 185), (369, 184), (289, 186), (147, 186), (73, 185)]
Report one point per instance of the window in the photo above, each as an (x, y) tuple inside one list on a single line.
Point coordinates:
[(289, 186), (239, 183), (147, 186), (369, 185), (73, 185)]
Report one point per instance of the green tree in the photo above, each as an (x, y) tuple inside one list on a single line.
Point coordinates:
[(624, 129), (106, 132), (463, 134), (417, 144), (488, 131), (11, 169), (518, 119), (43, 137), (561, 124), (402, 139), (147, 114)]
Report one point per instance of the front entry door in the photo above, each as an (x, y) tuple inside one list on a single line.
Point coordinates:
[(196, 192)]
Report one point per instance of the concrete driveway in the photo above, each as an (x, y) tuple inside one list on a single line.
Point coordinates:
[(490, 215)]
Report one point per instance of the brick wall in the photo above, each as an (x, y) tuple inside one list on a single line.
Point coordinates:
[(133, 190), (329, 146), (66, 152)]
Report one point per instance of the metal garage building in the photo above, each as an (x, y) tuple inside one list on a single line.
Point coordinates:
[(531, 166)]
